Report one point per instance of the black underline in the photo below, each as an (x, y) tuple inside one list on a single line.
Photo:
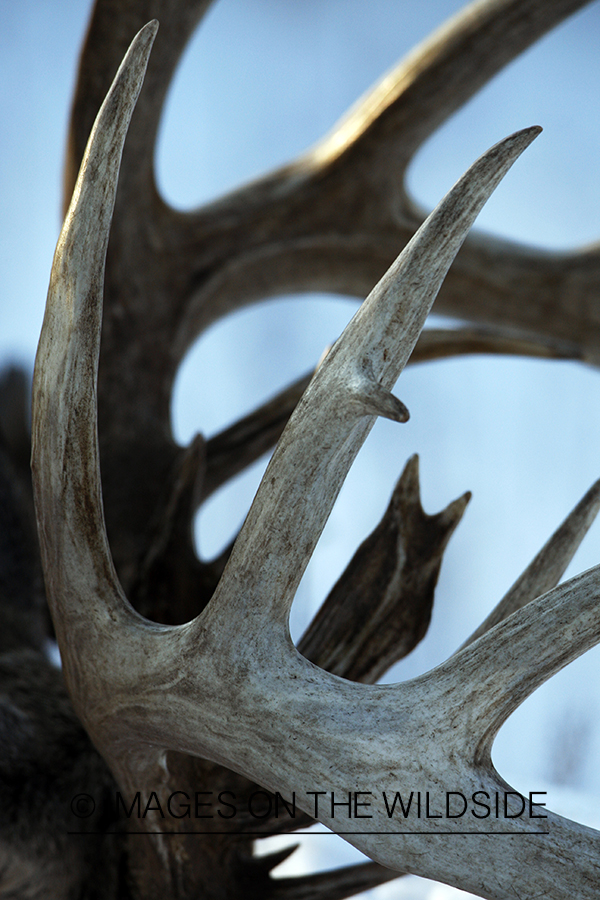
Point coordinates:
[(263, 834)]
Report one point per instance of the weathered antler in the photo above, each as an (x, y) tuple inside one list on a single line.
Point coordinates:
[(333, 220), (230, 686)]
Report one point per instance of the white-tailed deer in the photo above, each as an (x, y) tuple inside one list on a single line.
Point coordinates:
[(183, 674)]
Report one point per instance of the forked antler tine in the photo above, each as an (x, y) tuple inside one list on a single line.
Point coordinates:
[(549, 565), (350, 387), (64, 439), (380, 607)]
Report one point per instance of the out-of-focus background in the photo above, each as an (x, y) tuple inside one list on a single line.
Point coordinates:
[(260, 82)]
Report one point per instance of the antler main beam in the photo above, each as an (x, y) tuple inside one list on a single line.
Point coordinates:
[(230, 686)]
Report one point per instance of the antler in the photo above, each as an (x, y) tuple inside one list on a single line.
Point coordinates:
[(229, 686), (334, 219)]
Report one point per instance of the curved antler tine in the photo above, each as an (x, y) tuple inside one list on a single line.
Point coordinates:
[(571, 611), (544, 572), (411, 101), (506, 664), (385, 331), (106, 42), (334, 218), (333, 419), (65, 452)]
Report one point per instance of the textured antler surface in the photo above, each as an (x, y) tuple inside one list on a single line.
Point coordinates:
[(182, 670), (229, 686), (333, 220)]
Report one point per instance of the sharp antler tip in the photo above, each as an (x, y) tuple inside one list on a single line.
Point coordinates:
[(375, 400), (523, 138), (412, 464), (530, 133), (142, 43), (150, 28)]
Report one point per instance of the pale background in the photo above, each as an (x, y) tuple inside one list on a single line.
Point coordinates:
[(260, 82)]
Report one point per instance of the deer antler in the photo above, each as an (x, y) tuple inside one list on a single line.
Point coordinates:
[(230, 686), (334, 219)]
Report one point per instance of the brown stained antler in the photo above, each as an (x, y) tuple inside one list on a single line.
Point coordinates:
[(381, 606), (230, 686)]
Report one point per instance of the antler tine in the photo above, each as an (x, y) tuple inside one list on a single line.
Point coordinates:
[(348, 390), (438, 77), (518, 648), (380, 607), (108, 37), (439, 343), (144, 688), (70, 517), (549, 565), (333, 220), (134, 435)]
